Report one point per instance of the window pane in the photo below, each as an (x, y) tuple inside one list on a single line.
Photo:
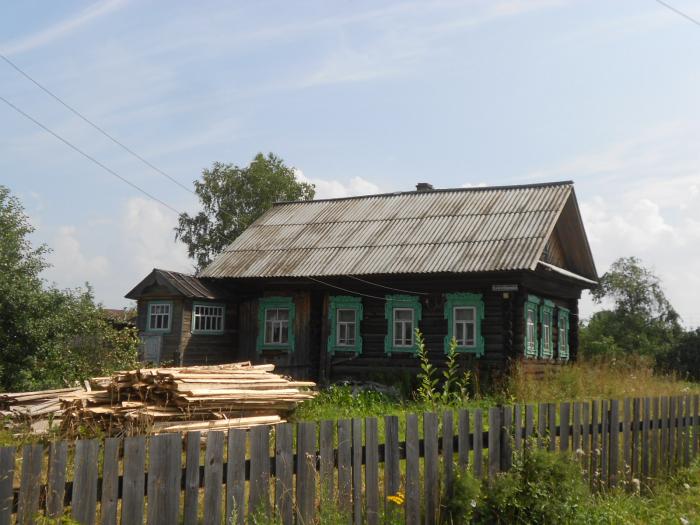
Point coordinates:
[(346, 316), (283, 314), (403, 314), (284, 336), (464, 314), (469, 339)]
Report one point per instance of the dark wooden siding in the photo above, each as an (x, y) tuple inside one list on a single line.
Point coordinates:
[(203, 349), (170, 347)]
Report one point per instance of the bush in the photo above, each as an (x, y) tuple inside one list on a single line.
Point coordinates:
[(541, 488), (466, 497)]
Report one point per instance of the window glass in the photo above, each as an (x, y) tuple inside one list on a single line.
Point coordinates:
[(403, 327), (159, 316), (276, 325), (531, 330), (346, 326), (465, 326), (208, 318)]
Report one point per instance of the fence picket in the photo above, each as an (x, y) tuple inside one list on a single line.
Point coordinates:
[(392, 473), (431, 490), (494, 441), (133, 482), (464, 444), (213, 477), (372, 470), (30, 483), (357, 470), (7, 473), (344, 464), (327, 461), (506, 444), (564, 432), (518, 427), (56, 488), (84, 501), (614, 442), (552, 426), (412, 471), (576, 434), (448, 450), (164, 479), (542, 425), (672, 422), (605, 443), (586, 437), (646, 420), (478, 441), (595, 450), (259, 483), (306, 471), (284, 469), (235, 477), (663, 456), (636, 415), (529, 424), (654, 437), (191, 508), (687, 418), (110, 482), (627, 438), (696, 425)]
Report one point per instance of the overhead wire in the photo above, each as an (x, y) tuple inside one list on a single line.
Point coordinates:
[(386, 287), (88, 156), (91, 123), (679, 12), (345, 289)]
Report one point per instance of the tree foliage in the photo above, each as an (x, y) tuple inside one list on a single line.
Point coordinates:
[(232, 198), (48, 337)]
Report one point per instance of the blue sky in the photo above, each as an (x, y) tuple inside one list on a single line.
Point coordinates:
[(360, 97)]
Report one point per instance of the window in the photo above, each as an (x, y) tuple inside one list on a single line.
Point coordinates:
[(563, 336), (464, 313), (403, 313), (531, 306), (276, 324), (159, 315), (207, 318), (345, 314), (546, 317)]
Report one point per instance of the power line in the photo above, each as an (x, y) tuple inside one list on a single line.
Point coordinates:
[(679, 12), (88, 156), (387, 287), (91, 123), (345, 289)]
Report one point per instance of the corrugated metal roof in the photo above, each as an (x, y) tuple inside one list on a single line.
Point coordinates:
[(180, 283), (458, 230)]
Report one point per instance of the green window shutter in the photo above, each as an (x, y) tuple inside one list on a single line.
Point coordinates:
[(547, 326), (564, 323), (530, 316), (344, 302), (274, 303), (401, 302), (470, 301)]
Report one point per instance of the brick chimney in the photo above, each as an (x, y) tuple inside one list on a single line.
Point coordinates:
[(424, 186)]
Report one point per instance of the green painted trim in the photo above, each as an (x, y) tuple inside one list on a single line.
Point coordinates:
[(564, 320), (547, 308), (475, 300), (148, 318), (208, 332), (344, 302), (400, 301), (532, 304), (265, 303)]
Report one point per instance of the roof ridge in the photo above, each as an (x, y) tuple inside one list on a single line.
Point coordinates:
[(436, 190)]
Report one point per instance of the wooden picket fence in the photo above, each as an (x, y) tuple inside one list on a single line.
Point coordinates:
[(292, 470)]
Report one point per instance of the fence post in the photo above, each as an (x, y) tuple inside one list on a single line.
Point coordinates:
[(665, 422), (655, 434), (646, 420), (542, 425), (672, 428), (696, 425), (552, 425), (529, 424), (576, 435), (605, 443), (133, 483), (636, 412), (56, 489), (110, 482), (518, 427), (327, 462)]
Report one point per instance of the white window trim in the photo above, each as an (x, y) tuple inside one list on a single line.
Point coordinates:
[(455, 323), (531, 341), (273, 343), (151, 304), (413, 327), (338, 324), (208, 305)]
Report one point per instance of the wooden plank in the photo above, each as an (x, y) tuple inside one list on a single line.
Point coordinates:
[(84, 502), (614, 442), (636, 417), (576, 424), (542, 425), (133, 483), (655, 434), (7, 474), (392, 473), (30, 483), (494, 441), (564, 422), (627, 437), (306, 471), (413, 496), (646, 421), (345, 464), (259, 486), (56, 488), (284, 469), (431, 490), (552, 426), (110, 482), (586, 438), (672, 432), (194, 440), (687, 425), (595, 444), (478, 442), (529, 424), (463, 441), (448, 451), (506, 445), (214, 477), (696, 425), (357, 470), (327, 461), (164, 471), (605, 443), (235, 477), (663, 453), (372, 471), (518, 427)]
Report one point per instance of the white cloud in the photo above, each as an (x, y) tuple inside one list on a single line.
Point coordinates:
[(61, 29), (331, 189), (70, 266)]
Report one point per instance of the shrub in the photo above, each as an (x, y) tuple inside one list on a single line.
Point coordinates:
[(466, 497)]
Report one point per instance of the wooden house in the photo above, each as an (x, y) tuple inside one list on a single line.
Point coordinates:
[(336, 287)]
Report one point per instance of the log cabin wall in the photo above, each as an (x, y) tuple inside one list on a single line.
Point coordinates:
[(209, 349), (170, 346)]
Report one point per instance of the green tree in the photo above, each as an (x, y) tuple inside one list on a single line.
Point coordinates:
[(232, 198), (641, 321)]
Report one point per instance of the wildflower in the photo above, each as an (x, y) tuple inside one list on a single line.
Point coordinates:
[(397, 498), (686, 486), (473, 503), (636, 484), (685, 521), (580, 452)]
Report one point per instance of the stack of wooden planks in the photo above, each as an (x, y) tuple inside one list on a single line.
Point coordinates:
[(30, 405), (201, 398)]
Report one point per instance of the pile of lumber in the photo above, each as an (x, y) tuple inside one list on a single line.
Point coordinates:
[(200, 398), (30, 405)]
